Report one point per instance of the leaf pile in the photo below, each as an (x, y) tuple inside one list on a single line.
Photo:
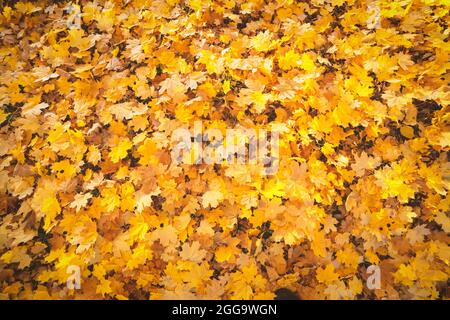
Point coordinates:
[(91, 91)]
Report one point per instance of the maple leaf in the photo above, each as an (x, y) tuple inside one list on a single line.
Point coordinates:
[(51, 208), (145, 200), (166, 235), (327, 274), (205, 228), (192, 252), (174, 87), (127, 110), (307, 63), (290, 60), (80, 201), (223, 254), (120, 151), (365, 162), (30, 110), (211, 198), (405, 275), (417, 234), (262, 41), (17, 255)]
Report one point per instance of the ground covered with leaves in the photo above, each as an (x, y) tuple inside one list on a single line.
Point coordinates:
[(91, 91)]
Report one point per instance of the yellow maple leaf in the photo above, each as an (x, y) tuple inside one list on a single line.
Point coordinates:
[(326, 274), (211, 198), (50, 206), (121, 150)]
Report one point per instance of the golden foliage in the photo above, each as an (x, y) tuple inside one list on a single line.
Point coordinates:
[(90, 94)]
